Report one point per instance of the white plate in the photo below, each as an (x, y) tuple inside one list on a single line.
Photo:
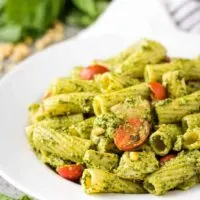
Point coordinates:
[(26, 84)]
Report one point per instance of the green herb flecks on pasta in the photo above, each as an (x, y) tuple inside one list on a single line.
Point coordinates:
[(172, 111), (96, 160), (137, 165), (172, 174), (102, 103), (122, 124), (100, 181), (64, 146), (163, 140)]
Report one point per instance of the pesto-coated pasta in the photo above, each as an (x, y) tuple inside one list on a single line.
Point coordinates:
[(66, 85), (110, 82), (189, 68), (193, 86), (68, 103), (52, 160), (178, 145), (191, 139), (100, 181), (137, 165), (102, 103), (134, 58), (133, 107), (106, 144), (172, 111), (163, 140), (126, 124), (105, 125), (175, 84), (97, 160), (189, 183), (64, 146), (172, 174), (82, 129), (191, 121), (61, 123)]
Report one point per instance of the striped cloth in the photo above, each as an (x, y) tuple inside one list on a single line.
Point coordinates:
[(185, 13)]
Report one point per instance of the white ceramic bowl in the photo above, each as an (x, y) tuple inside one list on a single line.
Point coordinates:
[(26, 84)]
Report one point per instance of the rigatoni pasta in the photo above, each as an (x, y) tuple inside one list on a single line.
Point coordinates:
[(172, 111), (97, 160), (66, 85), (126, 124), (137, 165), (102, 103), (100, 181), (163, 140), (172, 174)]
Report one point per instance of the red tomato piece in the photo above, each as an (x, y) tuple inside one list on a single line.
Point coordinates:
[(89, 72), (159, 92), (131, 134), (71, 172), (166, 158)]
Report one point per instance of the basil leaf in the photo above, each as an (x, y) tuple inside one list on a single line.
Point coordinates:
[(87, 6)]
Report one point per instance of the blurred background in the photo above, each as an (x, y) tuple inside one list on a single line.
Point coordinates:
[(27, 26)]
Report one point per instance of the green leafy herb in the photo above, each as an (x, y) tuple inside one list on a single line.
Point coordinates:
[(4, 197), (19, 18)]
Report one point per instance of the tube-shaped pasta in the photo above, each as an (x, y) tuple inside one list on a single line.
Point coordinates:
[(110, 82), (134, 58), (162, 141), (173, 173), (193, 86), (68, 103), (137, 165), (189, 183), (102, 103), (189, 68), (52, 160), (106, 144), (195, 155), (82, 129), (146, 52), (172, 111), (133, 107), (75, 74), (62, 145), (178, 143), (100, 181), (98, 160), (66, 85), (191, 121), (191, 139), (61, 122), (175, 84)]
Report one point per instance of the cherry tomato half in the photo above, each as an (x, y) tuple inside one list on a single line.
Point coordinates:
[(166, 158), (71, 172), (132, 134), (89, 72), (159, 92)]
